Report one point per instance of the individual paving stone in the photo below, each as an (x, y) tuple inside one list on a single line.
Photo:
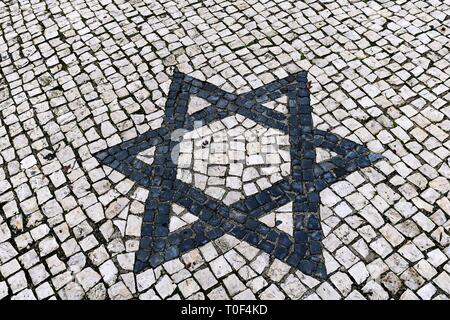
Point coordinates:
[(375, 291), (256, 284), (359, 272), (392, 235), (381, 246), (9, 268), (245, 295), (272, 293), (197, 296), (38, 274), (97, 293), (17, 282), (396, 263), (145, 280), (26, 294), (88, 278), (425, 269), (205, 278), (277, 270), (293, 287), (109, 272), (408, 295), (346, 257), (247, 273), (173, 266), (3, 289), (391, 282), (327, 292), (220, 267), (126, 261), (5, 232), (260, 263), (208, 252), (193, 260), (408, 228), (411, 252), (412, 279), (119, 292), (355, 295), (371, 214), (44, 291), (72, 291), (235, 259), (233, 285), (218, 293), (129, 281), (443, 281), (165, 287), (427, 291), (436, 257), (181, 275)]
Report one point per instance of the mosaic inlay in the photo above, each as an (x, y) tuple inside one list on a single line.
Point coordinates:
[(156, 160)]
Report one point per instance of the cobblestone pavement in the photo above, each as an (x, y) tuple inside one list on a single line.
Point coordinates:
[(86, 97)]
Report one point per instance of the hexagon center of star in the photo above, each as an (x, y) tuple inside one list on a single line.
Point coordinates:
[(233, 158)]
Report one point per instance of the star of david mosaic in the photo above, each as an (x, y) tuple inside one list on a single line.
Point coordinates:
[(302, 249)]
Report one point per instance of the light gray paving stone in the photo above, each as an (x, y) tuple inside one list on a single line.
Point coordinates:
[(233, 285), (26, 294), (119, 292), (98, 292), (17, 282), (427, 291), (109, 272), (3, 289), (245, 295), (293, 288), (272, 293), (145, 280), (443, 281), (408, 295), (359, 272), (205, 278), (355, 295), (38, 274), (374, 291), (391, 282), (218, 293), (277, 270), (165, 287), (188, 287), (44, 291), (72, 291), (88, 278), (220, 267)]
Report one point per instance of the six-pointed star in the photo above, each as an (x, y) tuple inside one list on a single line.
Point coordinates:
[(303, 250)]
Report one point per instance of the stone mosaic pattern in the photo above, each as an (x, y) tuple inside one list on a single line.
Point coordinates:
[(300, 248), (80, 77)]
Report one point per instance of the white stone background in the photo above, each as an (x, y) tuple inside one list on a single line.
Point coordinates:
[(78, 76)]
